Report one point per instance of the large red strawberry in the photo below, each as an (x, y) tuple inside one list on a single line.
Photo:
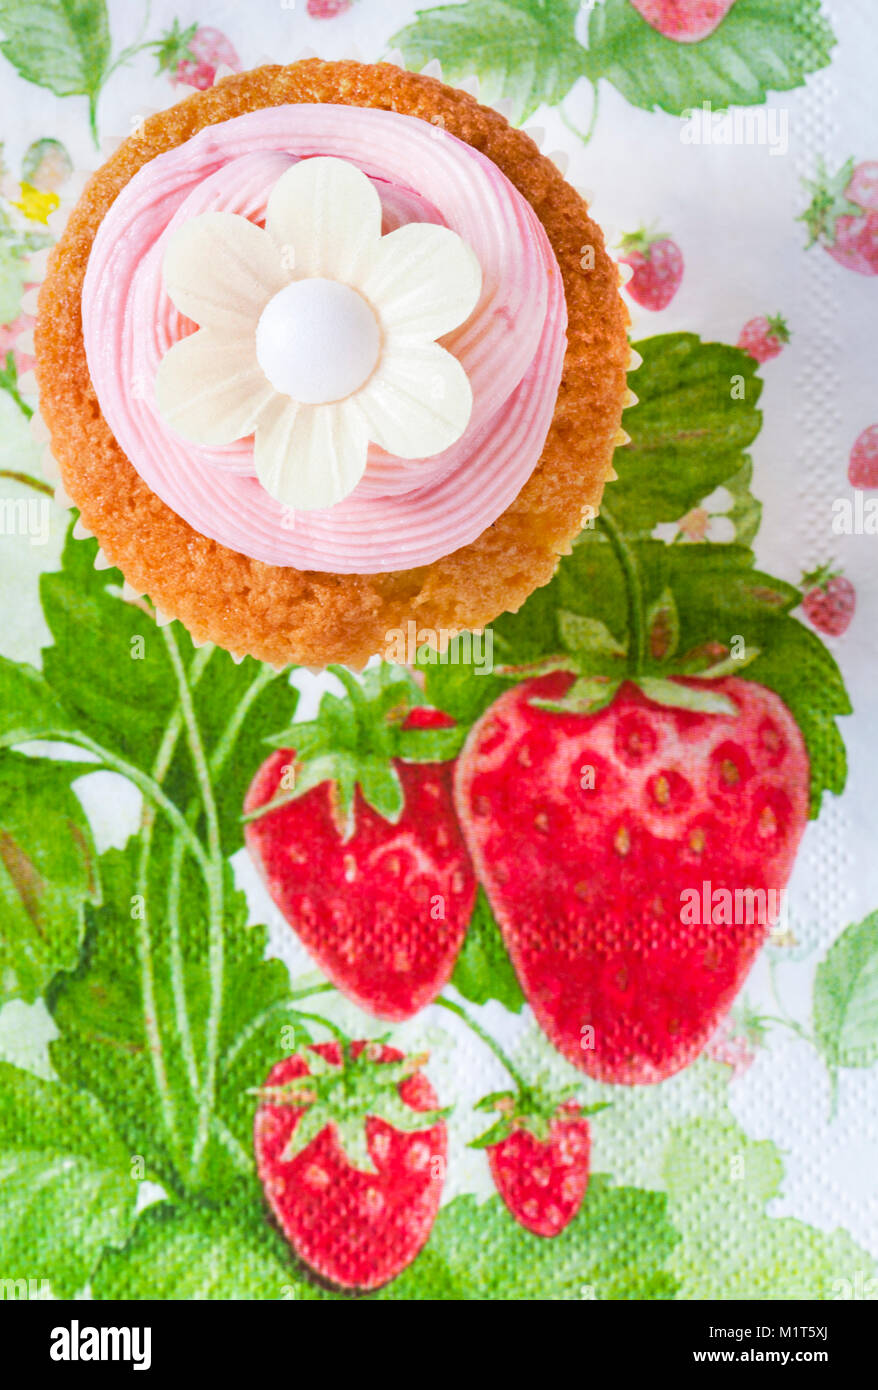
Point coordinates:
[(843, 215), (657, 263), (685, 21), (764, 337), (829, 601), (863, 465), (612, 835), (354, 832), (351, 1151), (538, 1151), (192, 55)]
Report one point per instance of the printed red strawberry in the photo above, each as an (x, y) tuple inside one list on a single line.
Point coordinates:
[(327, 9), (830, 600), (684, 21), (352, 827), (843, 215), (863, 465), (764, 337), (612, 822), (657, 263), (192, 55), (351, 1151), (538, 1151)]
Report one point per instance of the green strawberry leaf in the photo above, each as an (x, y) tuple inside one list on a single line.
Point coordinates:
[(108, 662), (689, 431), (761, 46), (700, 700), (29, 709), (719, 1184), (615, 1248), (137, 1016), (112, 667), (67, 1184), (587, 636), (48, 873), (523, 50), (60, 44), (500, 1130), (201, 1252), (381, 787), (483, 970), (846, 998)]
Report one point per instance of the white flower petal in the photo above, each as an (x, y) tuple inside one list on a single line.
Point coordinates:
[(324, 214), (221, 270), (721, 529), (423, 280), (718, 501), (310, 456), (417, 402), (211, 389)]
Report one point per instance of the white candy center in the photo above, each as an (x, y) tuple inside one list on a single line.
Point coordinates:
[(317, 341)]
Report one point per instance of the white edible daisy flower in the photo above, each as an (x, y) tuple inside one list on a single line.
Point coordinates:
[(318, 334)]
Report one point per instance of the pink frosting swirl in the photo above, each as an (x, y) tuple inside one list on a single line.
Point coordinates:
[(403, 513)]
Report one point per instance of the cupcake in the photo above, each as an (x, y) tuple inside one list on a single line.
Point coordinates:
[(327, 350)]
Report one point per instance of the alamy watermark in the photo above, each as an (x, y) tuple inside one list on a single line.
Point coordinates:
[(26, 516), (440, 647), (705, 905), (768, 126)]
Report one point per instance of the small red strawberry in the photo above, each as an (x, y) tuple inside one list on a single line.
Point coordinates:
[(355, 836), (764, 337), (843, 215), (685, 21), (538, 1151), (830, 600), (192, 55), (657, 263), (351, 1151), (863, 466), (599, 813), (327, 9)]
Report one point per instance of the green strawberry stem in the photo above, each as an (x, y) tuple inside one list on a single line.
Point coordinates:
[(93, 118), (213, 877), (210, 772), (36, 483), (486, 1039), (9, 384), (332, 1028), (633, 589), (144, 783), (584, 135), (784, 1018), (161, 765), (178, 851)]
